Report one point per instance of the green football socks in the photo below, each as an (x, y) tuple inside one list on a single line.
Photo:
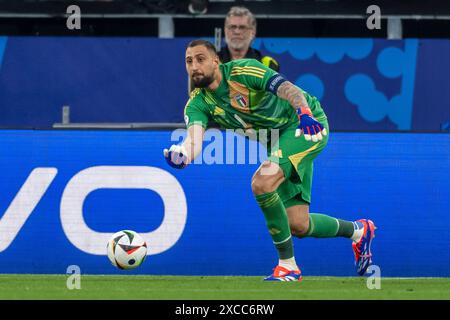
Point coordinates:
[(323, 226), (320, 225), (277, 223)]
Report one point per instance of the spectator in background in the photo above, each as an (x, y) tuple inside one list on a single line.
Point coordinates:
[(240, 30)]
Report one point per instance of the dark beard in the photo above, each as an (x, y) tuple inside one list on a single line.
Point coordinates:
[(204, 82)]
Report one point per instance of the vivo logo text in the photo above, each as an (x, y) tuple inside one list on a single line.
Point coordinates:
[(78, 189)]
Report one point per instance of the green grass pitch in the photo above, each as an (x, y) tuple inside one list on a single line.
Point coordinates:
[(136, 287)]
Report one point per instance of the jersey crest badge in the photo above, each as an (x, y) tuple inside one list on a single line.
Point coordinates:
[(240, 100)]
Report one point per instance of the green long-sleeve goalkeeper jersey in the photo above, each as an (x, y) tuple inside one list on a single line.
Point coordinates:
[(243, 100)]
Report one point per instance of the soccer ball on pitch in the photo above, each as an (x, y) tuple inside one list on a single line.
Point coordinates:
[(126, 249)]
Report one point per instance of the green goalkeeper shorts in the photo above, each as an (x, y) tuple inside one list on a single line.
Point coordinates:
[(295, 157)]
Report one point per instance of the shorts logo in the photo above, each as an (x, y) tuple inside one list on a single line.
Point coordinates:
[(186, 119)]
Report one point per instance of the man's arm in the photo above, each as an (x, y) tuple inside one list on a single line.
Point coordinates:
[(179, 156), (291, 93), (194, 141), (309, 126), (255, 75)]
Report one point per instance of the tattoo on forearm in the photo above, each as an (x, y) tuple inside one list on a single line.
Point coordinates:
[(292, 94)]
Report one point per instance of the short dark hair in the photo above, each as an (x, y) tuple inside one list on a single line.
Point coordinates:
[(201, 42)]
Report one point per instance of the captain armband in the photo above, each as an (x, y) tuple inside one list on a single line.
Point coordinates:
[(274, 82)]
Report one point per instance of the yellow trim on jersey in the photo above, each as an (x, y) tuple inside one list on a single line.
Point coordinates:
[(250, 71), (192, 95), (246, 73), (248, 68), (186, 105), (194, 92)]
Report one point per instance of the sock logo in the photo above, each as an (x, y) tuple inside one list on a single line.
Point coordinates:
[(274, 231)]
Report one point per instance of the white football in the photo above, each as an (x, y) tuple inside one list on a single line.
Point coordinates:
[(126, 249)]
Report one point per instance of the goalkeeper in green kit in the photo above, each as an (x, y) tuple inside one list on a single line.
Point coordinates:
[(245, 94)]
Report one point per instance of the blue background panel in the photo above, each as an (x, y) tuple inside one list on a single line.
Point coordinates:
[(400, 181), (363, 84)]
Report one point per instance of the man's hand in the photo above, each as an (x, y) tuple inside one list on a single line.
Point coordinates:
[(309, 126), (176, 156)]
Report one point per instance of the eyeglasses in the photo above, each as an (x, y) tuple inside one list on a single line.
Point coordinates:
[(233, 27)]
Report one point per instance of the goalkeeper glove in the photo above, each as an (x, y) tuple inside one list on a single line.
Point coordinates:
[(310, 127), (176, 156)]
